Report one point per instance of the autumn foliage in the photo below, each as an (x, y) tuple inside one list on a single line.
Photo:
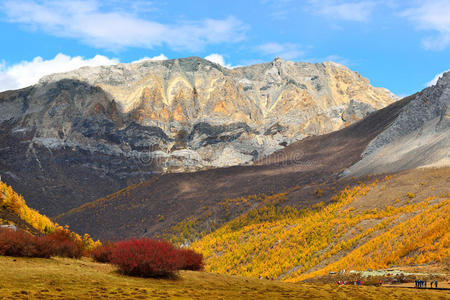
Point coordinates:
[(147, 257), (23, 244), (64, 241), (291, 244), (191, 260), (10, 200), (103, 253)]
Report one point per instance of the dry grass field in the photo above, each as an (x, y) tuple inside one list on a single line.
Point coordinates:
[(61, 278)]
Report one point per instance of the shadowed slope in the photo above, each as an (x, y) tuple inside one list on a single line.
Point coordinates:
[(156, 205)]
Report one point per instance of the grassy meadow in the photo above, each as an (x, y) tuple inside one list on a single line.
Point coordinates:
[(64, 278)]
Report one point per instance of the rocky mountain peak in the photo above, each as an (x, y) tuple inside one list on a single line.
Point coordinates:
[(278, 62), (296, 99), (444, 80)]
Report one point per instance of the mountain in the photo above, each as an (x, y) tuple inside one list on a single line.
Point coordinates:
[(81, 135), (420, 136), (156, 205), (302, 174), (401, 219)]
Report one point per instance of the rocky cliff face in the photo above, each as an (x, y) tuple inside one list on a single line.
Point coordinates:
[(191, 113), (119, 124), (419, 137)]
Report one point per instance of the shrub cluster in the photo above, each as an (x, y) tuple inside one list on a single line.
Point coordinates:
[(191, 260), (65, 244), (148, 258), (103, 253), (21, 243)]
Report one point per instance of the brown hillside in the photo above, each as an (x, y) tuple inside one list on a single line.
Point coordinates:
[(156, 205)]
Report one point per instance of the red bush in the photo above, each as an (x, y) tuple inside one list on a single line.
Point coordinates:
[(147, 258), (103, 253), (191, 260), (65, 244), (21, 243)]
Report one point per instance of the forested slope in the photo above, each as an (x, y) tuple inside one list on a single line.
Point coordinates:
[(399, 220)]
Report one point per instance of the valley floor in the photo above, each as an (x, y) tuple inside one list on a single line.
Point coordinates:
[(61, 278)]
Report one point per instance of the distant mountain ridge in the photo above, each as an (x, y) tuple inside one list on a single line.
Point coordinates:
[(87, 133)]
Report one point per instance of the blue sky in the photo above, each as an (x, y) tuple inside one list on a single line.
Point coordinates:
[(399, 45)]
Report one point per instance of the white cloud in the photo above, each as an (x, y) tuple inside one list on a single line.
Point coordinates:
[(28, 73), (114, 28), (158, 57), (286, 50), (358, 11), (218, 59), (333, 58), (434, 16), (436, 78)]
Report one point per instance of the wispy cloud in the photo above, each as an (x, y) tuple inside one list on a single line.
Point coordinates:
[(358, 11), (434, 16), (280, 9), (113, 28), (334, 58), (283, 50)]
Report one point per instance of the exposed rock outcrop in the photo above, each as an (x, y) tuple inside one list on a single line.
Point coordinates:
[(419, 136)]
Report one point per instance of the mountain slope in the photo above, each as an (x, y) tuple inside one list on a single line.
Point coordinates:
[(87, 133), (155, 206), (14, 211), (196, 200), (420, 136), (402, 219)]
